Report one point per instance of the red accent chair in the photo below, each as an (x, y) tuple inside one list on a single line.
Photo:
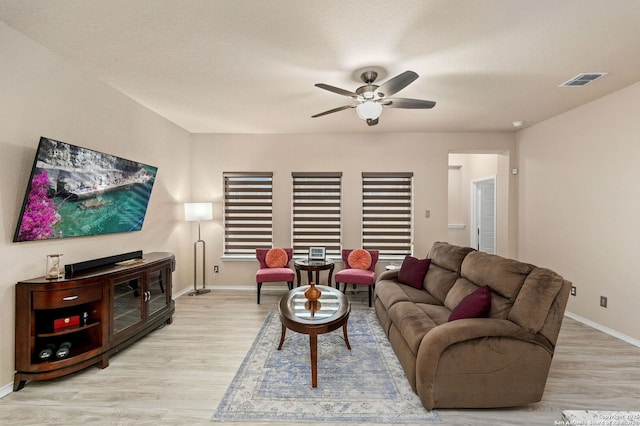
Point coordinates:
[(355, 276), (269, 275)]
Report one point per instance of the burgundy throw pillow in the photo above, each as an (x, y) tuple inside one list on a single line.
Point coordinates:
[(413, 270), (475, 305), (276, 258)]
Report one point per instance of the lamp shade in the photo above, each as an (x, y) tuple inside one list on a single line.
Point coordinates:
[(198, 211), (369, 110)]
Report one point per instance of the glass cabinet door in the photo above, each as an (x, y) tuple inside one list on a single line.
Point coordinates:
[(157, 296), (127, 304)]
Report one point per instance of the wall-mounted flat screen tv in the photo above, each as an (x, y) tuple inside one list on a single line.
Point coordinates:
[(76, 192)]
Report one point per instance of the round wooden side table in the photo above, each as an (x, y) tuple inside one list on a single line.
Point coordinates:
[(312, 266)]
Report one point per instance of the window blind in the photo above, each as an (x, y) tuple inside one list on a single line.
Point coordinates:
[(317, 216), (248, 221), (387, 213)]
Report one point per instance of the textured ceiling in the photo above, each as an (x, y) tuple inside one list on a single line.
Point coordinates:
[(249, 66)]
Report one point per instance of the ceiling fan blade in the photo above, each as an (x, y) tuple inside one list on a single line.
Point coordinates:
[(396, 84), (333, 110), (408, 103), (337, 90)]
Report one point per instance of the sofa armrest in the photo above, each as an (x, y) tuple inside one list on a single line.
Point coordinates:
[(441, 337), (480, 342), (388, 275)]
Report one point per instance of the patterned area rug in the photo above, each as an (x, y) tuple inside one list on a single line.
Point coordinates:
[(364, 385)]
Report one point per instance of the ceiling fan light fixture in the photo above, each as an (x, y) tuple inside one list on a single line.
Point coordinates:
[(369, 110), (368, 95), (371, 98)]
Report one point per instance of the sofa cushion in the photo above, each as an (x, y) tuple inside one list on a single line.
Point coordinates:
[(438, 281), (359, 259), (533, 303), (448, 256), (438, 313), (474, 305), (276, 258), (413, 270), (412, 323), (500, 305), (504, 276), (390, 292), (461, 289)]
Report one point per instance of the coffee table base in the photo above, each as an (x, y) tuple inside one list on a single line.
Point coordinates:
[(313, 348)]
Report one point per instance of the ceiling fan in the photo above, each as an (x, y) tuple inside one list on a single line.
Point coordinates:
[(371, 98)]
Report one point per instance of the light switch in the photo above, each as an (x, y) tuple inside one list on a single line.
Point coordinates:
[(427, 214)]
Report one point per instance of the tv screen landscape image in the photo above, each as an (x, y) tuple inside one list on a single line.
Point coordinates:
[(77, 192)]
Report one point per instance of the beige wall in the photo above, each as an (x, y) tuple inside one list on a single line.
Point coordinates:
[(43, 96), (579, 204), (426, 155)]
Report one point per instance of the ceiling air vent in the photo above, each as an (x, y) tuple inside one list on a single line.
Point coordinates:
[(583, 79)]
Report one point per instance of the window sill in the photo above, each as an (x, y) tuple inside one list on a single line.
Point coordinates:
[(238, 258)]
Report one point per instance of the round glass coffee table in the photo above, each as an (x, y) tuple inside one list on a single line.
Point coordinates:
[(330, 312)]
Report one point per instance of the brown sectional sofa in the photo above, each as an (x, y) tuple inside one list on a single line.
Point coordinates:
[(501, 360)]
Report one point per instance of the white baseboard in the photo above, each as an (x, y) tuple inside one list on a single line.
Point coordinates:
[(607, 330), (6, 390), (242, 287), (181, 292), (220, 287)]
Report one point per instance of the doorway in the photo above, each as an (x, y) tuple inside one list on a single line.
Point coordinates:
[(483, 215)]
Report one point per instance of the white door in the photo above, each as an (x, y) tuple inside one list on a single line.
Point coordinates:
[(483, 215)]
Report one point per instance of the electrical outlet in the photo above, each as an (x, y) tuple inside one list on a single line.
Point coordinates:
[(215, 269), (603, 301), (573, 290)]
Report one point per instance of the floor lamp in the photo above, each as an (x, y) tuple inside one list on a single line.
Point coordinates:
[(199, 212)]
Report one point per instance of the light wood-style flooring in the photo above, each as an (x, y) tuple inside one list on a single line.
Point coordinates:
[(178, 374)]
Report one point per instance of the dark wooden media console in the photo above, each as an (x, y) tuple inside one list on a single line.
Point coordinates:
[(66, 325)]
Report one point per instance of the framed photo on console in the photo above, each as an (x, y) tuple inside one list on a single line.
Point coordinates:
[(316, 253)]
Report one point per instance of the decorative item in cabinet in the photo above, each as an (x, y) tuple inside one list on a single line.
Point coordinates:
[(54, 269)]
